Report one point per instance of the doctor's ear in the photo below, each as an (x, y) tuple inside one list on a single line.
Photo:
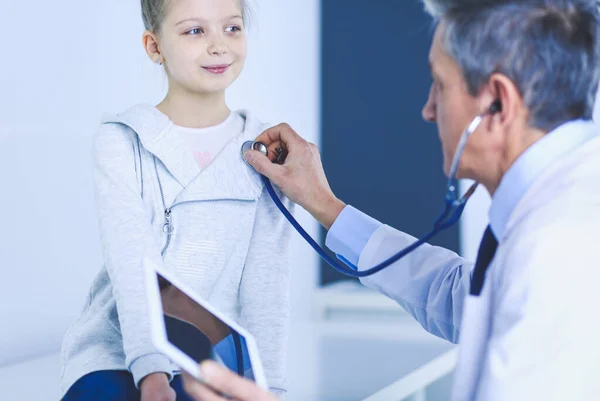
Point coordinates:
[(506, 104)]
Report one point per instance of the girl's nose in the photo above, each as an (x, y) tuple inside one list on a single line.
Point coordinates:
[(217, 48)]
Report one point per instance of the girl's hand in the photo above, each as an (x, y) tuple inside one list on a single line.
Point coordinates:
[(156, 387)]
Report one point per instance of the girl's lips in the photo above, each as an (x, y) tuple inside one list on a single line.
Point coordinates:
[(216, 69)]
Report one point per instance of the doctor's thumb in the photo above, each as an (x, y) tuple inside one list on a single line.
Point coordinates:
[(262, 164)]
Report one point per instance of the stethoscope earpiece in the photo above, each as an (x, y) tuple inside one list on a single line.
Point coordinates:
[(496, 107)]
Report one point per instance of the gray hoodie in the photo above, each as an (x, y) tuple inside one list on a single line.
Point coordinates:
[(230, 244)]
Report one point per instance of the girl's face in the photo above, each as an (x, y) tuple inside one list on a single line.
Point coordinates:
[(203, 44)]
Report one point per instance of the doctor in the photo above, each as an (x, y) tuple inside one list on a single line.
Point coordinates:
[(527, 313)]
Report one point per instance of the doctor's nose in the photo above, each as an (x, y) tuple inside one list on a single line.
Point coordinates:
[(429, 109)]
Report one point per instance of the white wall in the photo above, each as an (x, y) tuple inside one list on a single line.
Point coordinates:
[(64, 64)]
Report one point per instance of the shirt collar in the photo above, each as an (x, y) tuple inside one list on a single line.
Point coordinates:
[(528, 166)]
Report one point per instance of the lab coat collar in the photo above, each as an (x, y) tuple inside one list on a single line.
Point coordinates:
[(524, 171)]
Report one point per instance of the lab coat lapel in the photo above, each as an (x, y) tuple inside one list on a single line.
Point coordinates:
[(475, 331)]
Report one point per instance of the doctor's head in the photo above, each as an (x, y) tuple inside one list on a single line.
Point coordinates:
[(200, 43), (539, 58)]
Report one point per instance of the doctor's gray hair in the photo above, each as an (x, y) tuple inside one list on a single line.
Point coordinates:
[(549, 48), (154, 12)]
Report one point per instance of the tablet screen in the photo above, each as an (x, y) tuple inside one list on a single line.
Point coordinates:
[(199, 333)]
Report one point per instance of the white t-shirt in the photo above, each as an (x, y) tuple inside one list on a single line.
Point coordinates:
[(207, 143)]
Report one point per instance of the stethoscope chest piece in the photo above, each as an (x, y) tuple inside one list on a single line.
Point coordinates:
[(248, 145)]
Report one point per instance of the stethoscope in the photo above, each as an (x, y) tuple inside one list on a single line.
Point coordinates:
[(453, 208)]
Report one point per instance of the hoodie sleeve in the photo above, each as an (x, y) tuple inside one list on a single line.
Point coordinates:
[(265, 289), (127, 238)]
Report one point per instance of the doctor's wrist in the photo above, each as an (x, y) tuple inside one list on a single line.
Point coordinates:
[(327, 210)]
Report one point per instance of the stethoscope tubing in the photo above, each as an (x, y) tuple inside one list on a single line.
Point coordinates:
[(454, 207), (352, 270)]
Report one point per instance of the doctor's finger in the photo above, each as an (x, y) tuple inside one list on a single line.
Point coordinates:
[(274, 150), (282, 134), (224, 380), (201, 391), (263, 165), (198, 391)]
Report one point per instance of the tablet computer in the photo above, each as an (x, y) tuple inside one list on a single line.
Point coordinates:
[(188, 329)]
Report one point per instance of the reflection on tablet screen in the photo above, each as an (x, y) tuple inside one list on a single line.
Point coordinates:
[(200, 334)]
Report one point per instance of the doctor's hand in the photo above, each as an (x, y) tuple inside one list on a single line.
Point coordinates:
[(221, 381), (300, 175)]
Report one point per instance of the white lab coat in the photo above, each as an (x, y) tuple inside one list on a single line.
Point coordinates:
[(534, 332)]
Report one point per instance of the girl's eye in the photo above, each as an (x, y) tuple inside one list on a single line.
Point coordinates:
[(195, 31), (234, 28)]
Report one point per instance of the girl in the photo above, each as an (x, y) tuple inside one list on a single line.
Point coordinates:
[(171, 186)]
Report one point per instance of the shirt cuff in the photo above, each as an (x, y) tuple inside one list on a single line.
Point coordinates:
[(225, 349), (350, 233), (148, 364)]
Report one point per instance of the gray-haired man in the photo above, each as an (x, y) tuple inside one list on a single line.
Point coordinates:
[(526, 312)]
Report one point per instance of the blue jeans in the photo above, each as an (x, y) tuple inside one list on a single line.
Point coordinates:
[(114, 386)]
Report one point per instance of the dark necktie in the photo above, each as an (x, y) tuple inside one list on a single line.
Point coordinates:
[(486, 252)]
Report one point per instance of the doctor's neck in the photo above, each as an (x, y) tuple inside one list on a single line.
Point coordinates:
[(194, 109), (499, 158)]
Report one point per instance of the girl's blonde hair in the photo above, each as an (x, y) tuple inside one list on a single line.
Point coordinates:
[(154, 11)]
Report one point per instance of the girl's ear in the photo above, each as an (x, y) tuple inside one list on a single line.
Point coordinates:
[(150, 42)]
